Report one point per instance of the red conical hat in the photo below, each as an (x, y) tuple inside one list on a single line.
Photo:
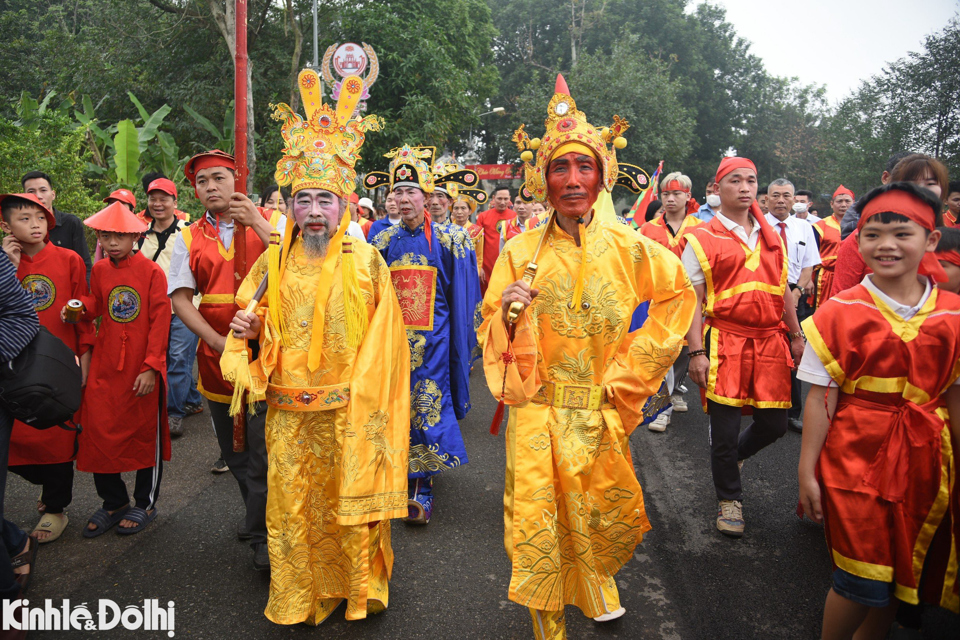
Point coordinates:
[(116, 218), (51, 220)]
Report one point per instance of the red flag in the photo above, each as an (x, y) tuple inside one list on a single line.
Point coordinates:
[(644, 199)]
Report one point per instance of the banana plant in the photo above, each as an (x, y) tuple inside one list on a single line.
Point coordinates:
[(223, 138)]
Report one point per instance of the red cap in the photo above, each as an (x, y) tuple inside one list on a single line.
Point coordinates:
[(843, 190), (51, 219), (205, 160), (122, 195), (116, 218), (163, 184), (729, 164)]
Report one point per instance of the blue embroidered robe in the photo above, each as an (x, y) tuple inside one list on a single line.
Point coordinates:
[(439, 292)]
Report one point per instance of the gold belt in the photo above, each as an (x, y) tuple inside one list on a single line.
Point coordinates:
[(572, 396), (332, 396)]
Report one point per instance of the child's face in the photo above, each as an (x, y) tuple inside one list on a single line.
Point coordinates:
[(895, 249), (953, 277), (116, 245), (28, 224)]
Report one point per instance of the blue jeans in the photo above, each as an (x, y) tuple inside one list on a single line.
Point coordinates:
[(12, 538), (181, 353)]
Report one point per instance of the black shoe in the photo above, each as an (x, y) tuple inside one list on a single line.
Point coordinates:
[(242, 532), (261, 558), (795, 425)]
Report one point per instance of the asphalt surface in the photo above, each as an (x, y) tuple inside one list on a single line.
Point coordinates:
[(450, 578)]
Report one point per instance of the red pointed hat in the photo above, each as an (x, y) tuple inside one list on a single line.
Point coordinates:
[(843, 190), (123, 195), (116, 218), (205, 160), (51, 219)]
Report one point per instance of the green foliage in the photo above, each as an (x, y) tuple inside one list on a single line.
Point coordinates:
[(56, 147)]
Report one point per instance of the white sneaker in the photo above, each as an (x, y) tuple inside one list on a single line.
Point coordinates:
[(659, 424), (613, 615), (679, 404)]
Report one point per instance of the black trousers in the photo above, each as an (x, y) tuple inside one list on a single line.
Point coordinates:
[(804, 311), (728, 444), (56, 480), (249, 467), (112, 489)]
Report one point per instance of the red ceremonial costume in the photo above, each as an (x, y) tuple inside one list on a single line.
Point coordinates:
[(512, 228), (658, 231), (950, 220), (121, 431), (744, 335), (52, 277), (828, 233), (212, 266), (887, 467), (849, 269), (489, 221)]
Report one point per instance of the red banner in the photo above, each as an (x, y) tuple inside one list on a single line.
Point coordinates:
[(496, 171)]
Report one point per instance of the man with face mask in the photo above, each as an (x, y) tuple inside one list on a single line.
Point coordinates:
[(711, 205), (434, 273), (574, 375), (333, 363)]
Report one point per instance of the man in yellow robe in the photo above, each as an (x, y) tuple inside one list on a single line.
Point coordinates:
[(574, 375), (334, 365)]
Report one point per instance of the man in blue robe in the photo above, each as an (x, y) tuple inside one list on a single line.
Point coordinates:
[(434, 272)]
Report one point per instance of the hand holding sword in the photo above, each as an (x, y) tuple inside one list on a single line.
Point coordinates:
[(516, 297)]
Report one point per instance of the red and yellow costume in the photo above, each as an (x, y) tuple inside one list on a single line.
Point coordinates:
[(950, 220), (657, 230), (744, 335), (514, 227), (828, 233), (490, 221), (887, 467)]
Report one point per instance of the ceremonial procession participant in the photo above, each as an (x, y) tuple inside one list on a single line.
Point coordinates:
[(525, 219), (334, 364), (68, 232), (828, 238), (124, 402), (951, 217), (877, 464), (802, 202), (157, 245), (490, 221), (124, 197), (273, 200), (465, 205), (762, 199), (574, 376), (365, 207), (711, 203), (802, 257), (393, 213), (948, 254), (52, 275), (739, 356), (668, 230), (203, 262), (433, 267)]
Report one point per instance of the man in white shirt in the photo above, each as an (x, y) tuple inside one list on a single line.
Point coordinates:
[(802, 256), (801, 206)]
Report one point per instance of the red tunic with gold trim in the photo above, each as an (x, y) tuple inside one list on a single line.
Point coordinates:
[(52, 277), (657, 230), (212, 267), (744, 335), (513, 227), (828, 234), (887, 467), (950, 220), (122, 432)]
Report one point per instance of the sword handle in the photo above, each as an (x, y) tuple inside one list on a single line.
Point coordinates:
[(516, 308)]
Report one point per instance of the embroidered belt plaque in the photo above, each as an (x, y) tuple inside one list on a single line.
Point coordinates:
[(332, 396)]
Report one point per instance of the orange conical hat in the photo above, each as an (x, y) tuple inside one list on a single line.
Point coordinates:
[(116, 218)]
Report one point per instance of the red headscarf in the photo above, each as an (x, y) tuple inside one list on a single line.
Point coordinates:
[(949, 256), (911, 207), (843, 190), (731, 163), (205, 160)]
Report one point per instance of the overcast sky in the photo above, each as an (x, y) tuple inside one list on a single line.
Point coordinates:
[(836, 43)]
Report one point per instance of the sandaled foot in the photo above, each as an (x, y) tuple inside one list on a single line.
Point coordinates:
[(50, 527), (135, 521), (102, 521), (24, 563)]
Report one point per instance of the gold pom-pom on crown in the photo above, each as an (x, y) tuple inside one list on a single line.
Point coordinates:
[(566, 124), (320, 152)]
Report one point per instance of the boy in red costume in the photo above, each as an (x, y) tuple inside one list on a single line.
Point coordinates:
[(52, 275), (876, 463), (738, 266), (124, 406)]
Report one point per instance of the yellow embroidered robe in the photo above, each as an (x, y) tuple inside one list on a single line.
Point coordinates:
[(335, 477), (573, 508)]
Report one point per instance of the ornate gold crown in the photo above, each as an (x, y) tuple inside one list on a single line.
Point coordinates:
[(321, 151), (409, 166), (567, 130)]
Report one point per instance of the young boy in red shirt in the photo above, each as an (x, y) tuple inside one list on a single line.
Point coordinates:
[(876, 462), (124, 406), (52, 275)]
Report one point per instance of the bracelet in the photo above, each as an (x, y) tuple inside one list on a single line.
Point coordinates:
[(797, 334), (698, 352)]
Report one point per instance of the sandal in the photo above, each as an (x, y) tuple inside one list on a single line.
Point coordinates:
[(52, 523), (104, 521), (27, 558), (141, 517)]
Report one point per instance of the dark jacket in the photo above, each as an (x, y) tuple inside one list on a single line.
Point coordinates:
[(69, 234)]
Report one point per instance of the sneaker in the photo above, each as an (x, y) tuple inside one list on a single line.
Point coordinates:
[(730, 518), (220, 467), (176, 426), (682, 388), (660, 423), (795, 425), (420, 503), (679, 404), (191, 409)]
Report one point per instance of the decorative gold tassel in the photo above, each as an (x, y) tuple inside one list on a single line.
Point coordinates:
[(581, 273), (355, 308)]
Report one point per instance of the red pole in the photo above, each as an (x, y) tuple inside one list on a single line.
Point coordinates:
[(240, 155)]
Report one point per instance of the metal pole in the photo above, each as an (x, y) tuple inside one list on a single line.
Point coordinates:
[(316, 45)]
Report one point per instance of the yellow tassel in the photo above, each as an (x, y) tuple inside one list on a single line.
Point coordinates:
[(355, 307), (582, 272)]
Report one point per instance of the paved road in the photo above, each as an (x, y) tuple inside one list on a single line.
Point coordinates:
[(450, 578)]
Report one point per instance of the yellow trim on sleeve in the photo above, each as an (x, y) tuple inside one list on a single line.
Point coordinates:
[(694, 242), (187, 237), (816, 341)]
